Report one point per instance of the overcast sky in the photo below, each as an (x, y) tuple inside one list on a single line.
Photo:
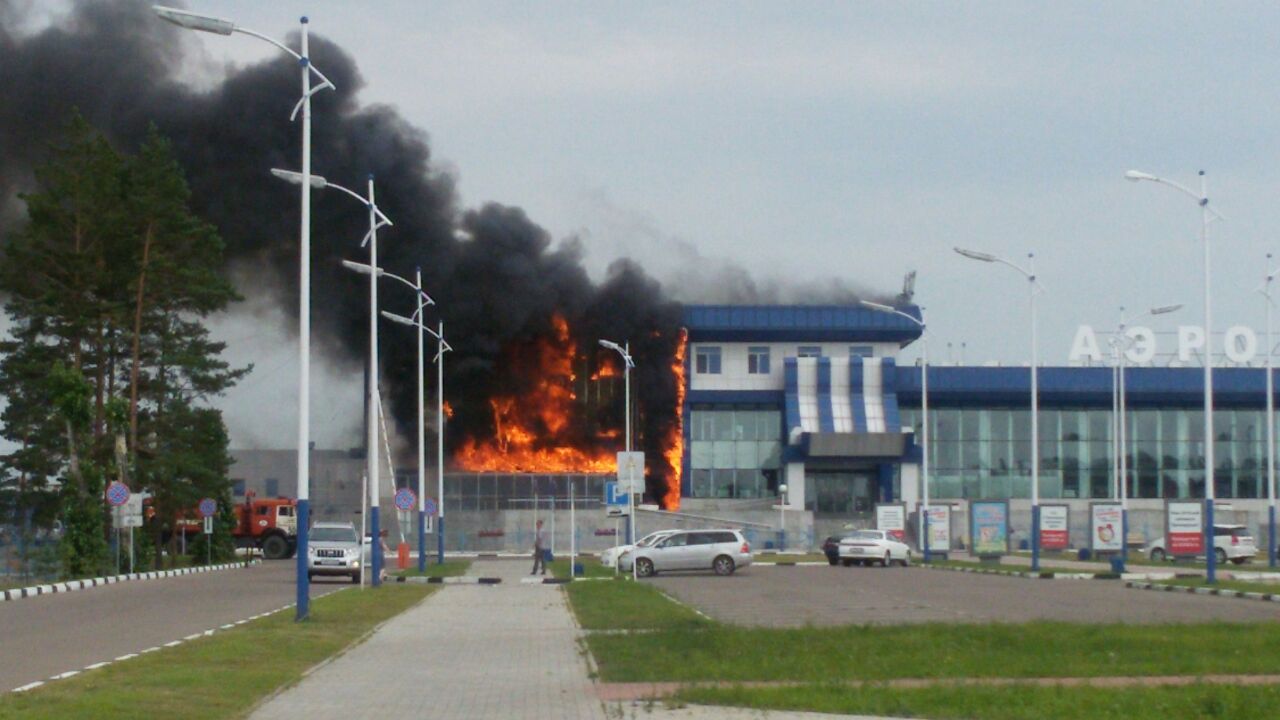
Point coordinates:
[(857, 140)]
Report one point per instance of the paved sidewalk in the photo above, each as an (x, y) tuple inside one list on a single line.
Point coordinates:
[(475, 652)]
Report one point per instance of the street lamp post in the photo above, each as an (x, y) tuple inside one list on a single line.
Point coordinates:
[(1202, 199), (376, 220), (1030, 273), (442, 347), (1122, 430), (625, 351), (220, 26), (924, 414), (1271, 425)]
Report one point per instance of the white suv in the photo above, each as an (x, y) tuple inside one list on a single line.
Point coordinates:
[(334, 549), (1230, 542), (723, 551)]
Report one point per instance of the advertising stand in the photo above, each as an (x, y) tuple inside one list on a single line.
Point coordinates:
[(1184, 528), (989, 528), (1055, 527), (892, 519)]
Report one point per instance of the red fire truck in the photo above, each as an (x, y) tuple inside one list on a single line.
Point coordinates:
[(269, 525)]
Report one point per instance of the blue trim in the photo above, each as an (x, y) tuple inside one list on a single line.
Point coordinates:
[(884, 473), (302, 607), (791, 374), (856, 400), (735, 397), (1082, 387), (889, 386), (826, 417), (785, 323)]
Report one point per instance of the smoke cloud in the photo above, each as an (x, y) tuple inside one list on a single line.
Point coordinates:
[(113, 61)]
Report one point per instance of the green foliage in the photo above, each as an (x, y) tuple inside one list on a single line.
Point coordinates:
[(108, 283)]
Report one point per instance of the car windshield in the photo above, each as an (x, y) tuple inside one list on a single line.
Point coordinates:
[(333, 534), (866, 535), (649, 540)]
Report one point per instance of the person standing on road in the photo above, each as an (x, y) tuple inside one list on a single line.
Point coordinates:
[(539, 549)]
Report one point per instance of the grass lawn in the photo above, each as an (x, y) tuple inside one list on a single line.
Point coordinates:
[(219, 676), (1008, 703), (450, 568), (626, 605), (1241, 585), (591, 567)]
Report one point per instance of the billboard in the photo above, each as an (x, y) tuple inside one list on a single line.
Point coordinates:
[(1106, 527), (1184, 527), (939, 528), (892, 519), (989, 527), (1055, 533)]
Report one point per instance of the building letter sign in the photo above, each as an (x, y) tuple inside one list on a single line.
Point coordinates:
[(1239, 345)]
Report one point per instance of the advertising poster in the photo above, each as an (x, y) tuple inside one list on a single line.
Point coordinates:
[(990, 527), (1106, 527), (892, 519), (1184, 527), (939, 528), (1055, 531)]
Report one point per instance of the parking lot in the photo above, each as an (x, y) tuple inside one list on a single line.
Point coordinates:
[(786, 596)]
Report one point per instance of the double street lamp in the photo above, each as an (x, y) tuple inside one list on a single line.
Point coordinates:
[(1030, 274), (442, 347), (376, 220), (1121, 345), (1207, 215), (924, 413), (220, 26)]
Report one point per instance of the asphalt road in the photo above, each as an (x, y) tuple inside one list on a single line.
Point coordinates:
[(795, 596), (50, 634)]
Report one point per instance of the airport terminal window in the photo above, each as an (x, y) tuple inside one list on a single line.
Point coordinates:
[(986, 452), (237, 488), (758, 360), (812, 351), (707, 360), (734, 451), (273, 487)]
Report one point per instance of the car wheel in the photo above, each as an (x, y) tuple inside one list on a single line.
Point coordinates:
[(644, 567), (1157, 555), (906, 559), (1240, 560), (1220, 555), (310, 577), (723, 565), (355, 579), (847, 562), (885, 561)]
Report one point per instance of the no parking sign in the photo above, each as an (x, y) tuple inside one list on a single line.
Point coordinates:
[(406, 499)]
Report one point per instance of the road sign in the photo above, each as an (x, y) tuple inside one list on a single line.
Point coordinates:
[(117, 493), (208, 508), (631, 471), (406, 499), (616, 500), (430, 506), (121, 519), (208, 524)]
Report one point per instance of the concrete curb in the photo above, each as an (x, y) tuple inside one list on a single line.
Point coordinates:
[(1241, 594), (74, 585), (459, 580), (1044, 575)]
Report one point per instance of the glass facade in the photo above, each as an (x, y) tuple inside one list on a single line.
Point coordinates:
[(734, 451), (986, 452)]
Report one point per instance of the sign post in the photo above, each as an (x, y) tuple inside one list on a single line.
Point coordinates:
[(405, 500), (989, 528), (1184, 528), (892, 519), (208, 508), (1055, 527), (117, 495), (631, 478), (1106, 527)]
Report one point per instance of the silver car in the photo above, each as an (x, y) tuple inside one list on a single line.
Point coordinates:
[(333, 548), (723, 551)]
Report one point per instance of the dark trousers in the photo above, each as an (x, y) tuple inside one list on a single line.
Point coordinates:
[(539, 560)]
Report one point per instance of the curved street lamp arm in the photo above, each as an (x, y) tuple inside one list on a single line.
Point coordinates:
[(426, 298)]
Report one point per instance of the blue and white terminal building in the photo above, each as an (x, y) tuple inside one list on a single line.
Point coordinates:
[(814, 398)]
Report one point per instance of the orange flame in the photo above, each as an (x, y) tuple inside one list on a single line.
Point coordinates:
[(533, 432), (674, 454)]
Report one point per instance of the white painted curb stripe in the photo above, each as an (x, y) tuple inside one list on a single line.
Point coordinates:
[(73, 585)]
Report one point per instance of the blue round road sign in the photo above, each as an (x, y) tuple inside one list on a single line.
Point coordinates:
[(406, 499), (208, 507), (117, 493), (430, 506)]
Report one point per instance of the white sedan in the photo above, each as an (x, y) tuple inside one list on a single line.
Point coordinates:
[(873, 546), (609, 558)]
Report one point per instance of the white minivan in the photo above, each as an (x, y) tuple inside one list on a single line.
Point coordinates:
[(723, 551), (1230, 542)]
